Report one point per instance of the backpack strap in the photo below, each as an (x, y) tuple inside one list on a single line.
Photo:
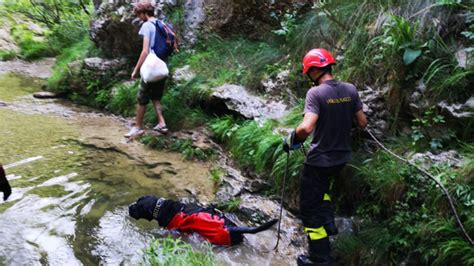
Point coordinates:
[(168, 31)]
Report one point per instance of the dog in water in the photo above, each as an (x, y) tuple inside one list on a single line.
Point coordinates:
[(4, 186), (210, 223)]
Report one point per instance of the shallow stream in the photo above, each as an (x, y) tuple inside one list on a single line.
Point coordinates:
[(73, 176)]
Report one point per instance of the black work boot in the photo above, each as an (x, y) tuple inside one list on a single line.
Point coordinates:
[(319, 253)]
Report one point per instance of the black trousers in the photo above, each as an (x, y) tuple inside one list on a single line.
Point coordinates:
[(316, 209)]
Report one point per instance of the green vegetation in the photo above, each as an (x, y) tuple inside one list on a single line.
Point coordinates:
[(231, 60), (31, 46), (383, 44), (230, 205), (258, 148), (406, 217), (61, 69), (7, 55), (216, 175), (45, 28), (175, 252)]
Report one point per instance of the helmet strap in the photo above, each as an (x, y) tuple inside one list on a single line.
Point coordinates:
[(315, 81)]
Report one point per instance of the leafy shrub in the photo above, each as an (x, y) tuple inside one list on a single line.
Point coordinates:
[(428, 130), (124, 100)]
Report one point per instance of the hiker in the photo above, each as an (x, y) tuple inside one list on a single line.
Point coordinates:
[(330, 109), (158, 38)]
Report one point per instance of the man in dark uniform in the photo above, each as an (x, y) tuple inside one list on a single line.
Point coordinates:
[(330, 109)]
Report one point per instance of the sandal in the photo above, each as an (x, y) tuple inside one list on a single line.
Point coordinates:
[(161, 129)]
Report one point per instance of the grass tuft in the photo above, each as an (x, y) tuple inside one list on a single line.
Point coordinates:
[(175, 252)]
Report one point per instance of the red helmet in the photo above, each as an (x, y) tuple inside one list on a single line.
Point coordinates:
[(317, 58)]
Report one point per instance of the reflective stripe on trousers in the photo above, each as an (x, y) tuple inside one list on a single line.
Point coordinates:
[(320, 232)]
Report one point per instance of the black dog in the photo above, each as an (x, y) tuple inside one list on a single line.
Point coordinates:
[(4, 186), (208, 222)]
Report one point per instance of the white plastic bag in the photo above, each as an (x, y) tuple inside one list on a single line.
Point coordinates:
[(153, 69)]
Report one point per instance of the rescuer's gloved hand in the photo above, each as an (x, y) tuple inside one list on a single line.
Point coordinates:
[(4, 186), (290, 143)]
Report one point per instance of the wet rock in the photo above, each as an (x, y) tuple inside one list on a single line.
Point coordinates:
[(183, 74), (236, 100), (277, 87), (2, 104), (46, 95), (428, 159), (257, 209)]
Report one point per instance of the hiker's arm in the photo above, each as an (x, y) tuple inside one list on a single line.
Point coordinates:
[(143, 55), (307, 126), (361, 119)]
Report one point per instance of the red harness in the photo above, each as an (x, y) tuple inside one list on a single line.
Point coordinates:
[(211, 227)]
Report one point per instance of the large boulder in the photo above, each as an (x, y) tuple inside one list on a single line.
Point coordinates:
[(237, 100), (115, 29), (85, 77)]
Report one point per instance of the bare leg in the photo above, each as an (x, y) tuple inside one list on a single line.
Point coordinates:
[(140, 113), (159, 113)]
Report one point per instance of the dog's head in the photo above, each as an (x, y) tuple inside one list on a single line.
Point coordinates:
[(143, 208)]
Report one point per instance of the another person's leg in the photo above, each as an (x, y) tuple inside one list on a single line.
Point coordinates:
[(143, 97), (156, 93)]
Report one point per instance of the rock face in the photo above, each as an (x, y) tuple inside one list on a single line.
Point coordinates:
[(375, 109), (249, 17), (235, 99), (115, 29), (278, 88)]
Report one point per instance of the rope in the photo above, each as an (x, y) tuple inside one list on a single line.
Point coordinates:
[(443, 188), (281, 204)]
